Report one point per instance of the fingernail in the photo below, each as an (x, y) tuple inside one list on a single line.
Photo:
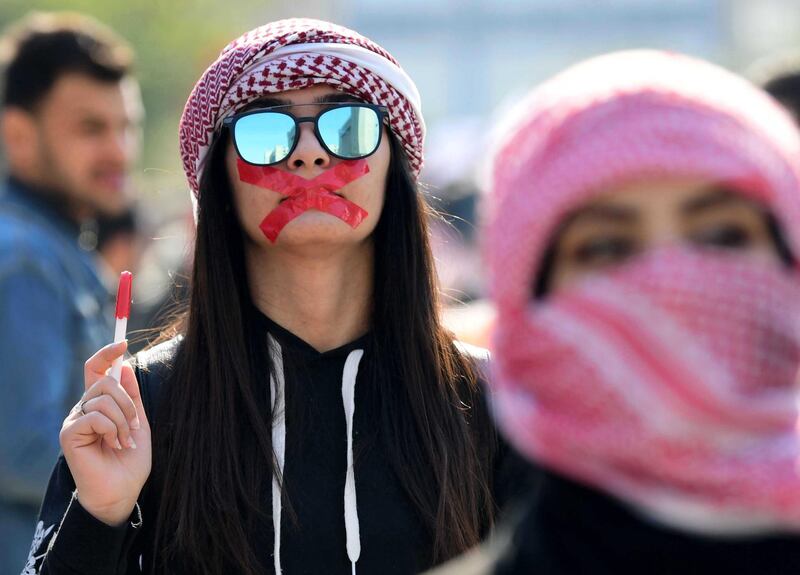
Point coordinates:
[(119, 445), (131, 443), (135, 424)]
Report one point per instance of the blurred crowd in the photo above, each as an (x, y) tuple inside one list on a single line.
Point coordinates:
[(71, 221)]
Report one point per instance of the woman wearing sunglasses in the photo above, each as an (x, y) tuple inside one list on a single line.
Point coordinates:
[(312, 415), (642, 237)]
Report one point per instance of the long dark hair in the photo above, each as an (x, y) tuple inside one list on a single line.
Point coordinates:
[(212, 442)]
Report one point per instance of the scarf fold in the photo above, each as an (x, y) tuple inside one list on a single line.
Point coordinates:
[(671, 384)]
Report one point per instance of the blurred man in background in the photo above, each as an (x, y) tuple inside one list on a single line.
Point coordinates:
[(119, 242), (779, 75), (70, 132)]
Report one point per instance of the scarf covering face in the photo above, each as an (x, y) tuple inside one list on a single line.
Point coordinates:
[(670, 381), (289, 55)]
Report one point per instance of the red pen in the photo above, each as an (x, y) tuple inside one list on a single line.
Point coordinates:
[(122, 313)]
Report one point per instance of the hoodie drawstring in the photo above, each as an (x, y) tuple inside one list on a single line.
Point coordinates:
[(277, 386), (351, 525)]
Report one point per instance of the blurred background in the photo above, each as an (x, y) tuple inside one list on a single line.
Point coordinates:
[(468, 57)]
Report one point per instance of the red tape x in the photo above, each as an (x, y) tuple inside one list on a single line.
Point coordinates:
[(302, 194)]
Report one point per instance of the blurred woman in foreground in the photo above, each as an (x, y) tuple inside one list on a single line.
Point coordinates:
[(644, 213)]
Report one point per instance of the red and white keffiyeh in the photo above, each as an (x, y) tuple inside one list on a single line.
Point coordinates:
[(670, 382), (289, 55)]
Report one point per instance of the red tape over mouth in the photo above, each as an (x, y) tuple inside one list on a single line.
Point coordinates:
[(303, 195)]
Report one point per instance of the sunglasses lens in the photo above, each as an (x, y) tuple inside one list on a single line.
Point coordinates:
[(265, 137), (350, 131)]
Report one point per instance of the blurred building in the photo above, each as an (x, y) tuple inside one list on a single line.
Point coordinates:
[(467, 56)]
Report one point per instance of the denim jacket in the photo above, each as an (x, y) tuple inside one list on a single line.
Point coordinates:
[(54, 314)]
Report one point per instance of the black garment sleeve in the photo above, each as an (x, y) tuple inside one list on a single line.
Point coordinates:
[(70, 541), (515, 478)]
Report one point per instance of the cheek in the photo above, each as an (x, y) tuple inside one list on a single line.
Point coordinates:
[(766, 246), (77, 153), (565, 276), (765, 252), (564, 270), (69, 156), (369, 192), (251, 202)]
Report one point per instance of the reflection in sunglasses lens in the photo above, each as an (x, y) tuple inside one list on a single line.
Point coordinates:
[(350, 131), (265, 138)]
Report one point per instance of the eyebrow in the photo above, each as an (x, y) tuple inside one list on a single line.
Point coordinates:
[(715, 198), (603, 213), (335, 98), (90, 118), (267, 102)]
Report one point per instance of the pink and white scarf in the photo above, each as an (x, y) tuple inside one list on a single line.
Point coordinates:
[(670, 382)]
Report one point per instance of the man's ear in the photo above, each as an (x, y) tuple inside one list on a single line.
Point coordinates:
[(20, 137)]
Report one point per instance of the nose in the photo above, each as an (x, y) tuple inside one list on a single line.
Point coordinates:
[(120, 147), (309, 151), (664, 228)]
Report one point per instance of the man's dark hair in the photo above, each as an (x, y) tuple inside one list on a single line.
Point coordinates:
[(779, 75), (38, 50)]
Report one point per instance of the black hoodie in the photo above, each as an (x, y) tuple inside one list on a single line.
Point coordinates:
[(394, 539)]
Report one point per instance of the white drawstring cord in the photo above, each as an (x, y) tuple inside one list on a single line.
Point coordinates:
[(350, 507), (277, 387)]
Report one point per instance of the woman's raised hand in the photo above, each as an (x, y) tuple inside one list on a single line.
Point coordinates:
[(106, 440)]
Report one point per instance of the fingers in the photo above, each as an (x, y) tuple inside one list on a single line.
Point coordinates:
[(110, 409), (129, 383), (97, 365), (108, 387), (114, 408), (86, 428)]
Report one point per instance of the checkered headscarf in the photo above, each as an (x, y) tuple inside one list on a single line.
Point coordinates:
[(289, 55)]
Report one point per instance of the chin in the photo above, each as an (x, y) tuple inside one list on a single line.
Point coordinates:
[(318, 229), (111, 208), (314, 235), (107, 200)]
